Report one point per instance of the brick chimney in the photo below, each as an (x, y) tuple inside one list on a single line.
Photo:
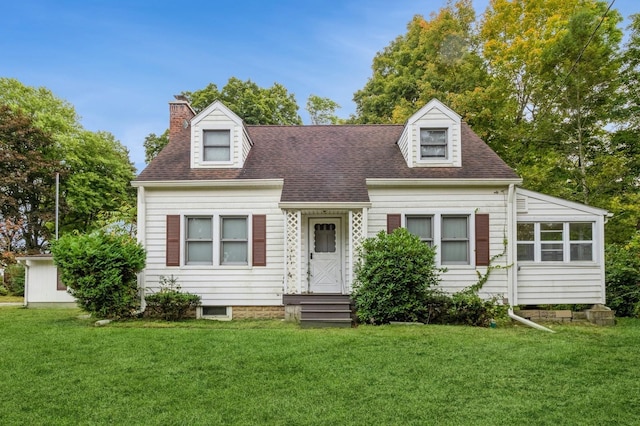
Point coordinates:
[(180, 115)]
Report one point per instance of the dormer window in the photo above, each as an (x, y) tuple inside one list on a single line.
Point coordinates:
[(433, 143), (216, 145)]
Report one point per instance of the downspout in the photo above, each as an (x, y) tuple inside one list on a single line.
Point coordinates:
[(512, 273), (525, 321)]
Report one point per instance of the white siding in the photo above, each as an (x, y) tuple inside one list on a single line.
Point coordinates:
[(561, 283), (492, 201), (404, 144), (218, 285), (435, 115)]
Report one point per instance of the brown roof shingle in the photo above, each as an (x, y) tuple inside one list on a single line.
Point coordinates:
[(328, 163)]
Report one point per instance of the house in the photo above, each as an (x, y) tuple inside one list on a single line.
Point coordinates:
[(42, 285), (265, 221)]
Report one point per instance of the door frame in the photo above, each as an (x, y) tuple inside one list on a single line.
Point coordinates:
[(340, 248)]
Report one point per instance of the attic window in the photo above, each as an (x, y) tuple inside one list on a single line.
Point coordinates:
[(216, 145), (433, 143)]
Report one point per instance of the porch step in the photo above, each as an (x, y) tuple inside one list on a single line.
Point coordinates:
[(324, 310)]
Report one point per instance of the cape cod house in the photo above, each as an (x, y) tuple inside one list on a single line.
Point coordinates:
[(259, 220)]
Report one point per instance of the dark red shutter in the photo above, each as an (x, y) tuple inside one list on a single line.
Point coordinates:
[(394, 221), (59, 284), (173, 240), (259, 240), (482, 239)]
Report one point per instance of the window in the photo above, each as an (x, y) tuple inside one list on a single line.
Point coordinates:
[(433, 143), (216, 145), (199, 241), (455, 240), (221, 313), (581, 241), (233, 241), (526, 241), (555, 241), (551, 247), (324, 238), (421, 226)]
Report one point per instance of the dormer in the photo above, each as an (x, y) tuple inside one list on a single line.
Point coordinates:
[(218, 139), (431, 137)]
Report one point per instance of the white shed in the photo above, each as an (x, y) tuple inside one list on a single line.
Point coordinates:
[(42, 286)]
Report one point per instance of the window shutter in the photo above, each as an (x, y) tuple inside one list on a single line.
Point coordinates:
[(59, 284), (173, 240), (393, 221), (259, 240), (482, 239)]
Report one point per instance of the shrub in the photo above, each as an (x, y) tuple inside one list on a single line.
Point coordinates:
[(393, 278), (623, 277), (14, 279), (468, 308), (100, 270), (169, 303), (3, 290)]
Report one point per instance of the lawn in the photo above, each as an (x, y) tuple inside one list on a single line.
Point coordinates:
[(57, 368)]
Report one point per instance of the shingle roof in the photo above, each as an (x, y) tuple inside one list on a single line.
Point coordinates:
[(328, 163)]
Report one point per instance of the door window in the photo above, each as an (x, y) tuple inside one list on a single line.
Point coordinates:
[(324, 237)]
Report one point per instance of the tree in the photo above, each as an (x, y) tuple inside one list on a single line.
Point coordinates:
[(28, 166), (252, 103), (434, 59), (94, 167), (153, 145), (322, 110)]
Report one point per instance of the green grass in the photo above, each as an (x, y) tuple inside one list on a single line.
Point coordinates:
[(11, 299), (59, 369)]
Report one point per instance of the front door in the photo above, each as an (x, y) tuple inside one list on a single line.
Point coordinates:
[(325, 259)]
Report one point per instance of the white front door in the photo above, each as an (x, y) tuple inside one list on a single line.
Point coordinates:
[(325, 255)]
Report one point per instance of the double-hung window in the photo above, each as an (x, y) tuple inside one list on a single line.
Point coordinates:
[(454, 241), (433, 143), (199, 240), (234, 242), (421, 226), (216, 145), (555, 241)]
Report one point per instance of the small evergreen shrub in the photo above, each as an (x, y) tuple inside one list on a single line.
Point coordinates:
[(393, 278), (170, 303), (468, 308), (623, 277), (14, 279), (3, 290), (100, 270)]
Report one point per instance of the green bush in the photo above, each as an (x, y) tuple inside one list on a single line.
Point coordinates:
[(14, 279), (393, 278), (170, 303), (464, 308), (100, 270), (3, 290), (623, 277)]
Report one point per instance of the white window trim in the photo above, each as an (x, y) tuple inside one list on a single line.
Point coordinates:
[(232, 145), (217, 221), (566, 242), (219, 241), (434, 125), (437, 233)]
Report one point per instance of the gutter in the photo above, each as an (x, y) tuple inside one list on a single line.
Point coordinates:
[(525, 321)]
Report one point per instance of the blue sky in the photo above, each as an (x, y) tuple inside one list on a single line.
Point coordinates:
[(120, 62)]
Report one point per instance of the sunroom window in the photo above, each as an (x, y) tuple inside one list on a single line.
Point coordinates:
[(555, 241)]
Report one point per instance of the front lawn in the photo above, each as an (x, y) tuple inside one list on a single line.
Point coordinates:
[(59, 369)]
